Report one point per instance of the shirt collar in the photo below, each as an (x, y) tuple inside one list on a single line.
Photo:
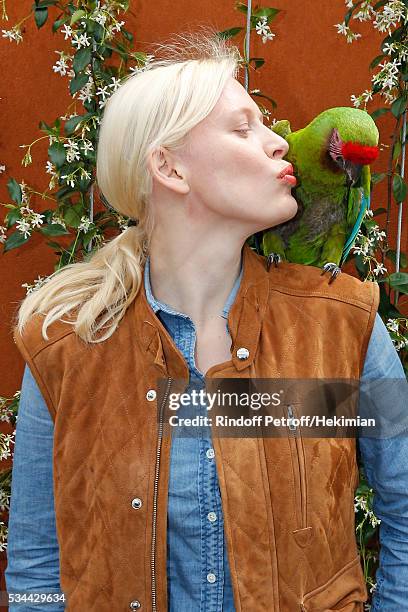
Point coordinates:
[(156, 305)]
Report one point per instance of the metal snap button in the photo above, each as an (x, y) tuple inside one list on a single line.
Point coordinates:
[(242, 353), (136, 503), (135, 605), (151, 395), (210, 453), (211, 577), (212, 517)]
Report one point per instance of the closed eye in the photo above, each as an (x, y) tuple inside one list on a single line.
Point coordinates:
[(243, 131)]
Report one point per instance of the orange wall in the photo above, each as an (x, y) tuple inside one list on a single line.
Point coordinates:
[(308, 68)]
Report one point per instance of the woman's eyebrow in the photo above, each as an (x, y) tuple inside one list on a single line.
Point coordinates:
[(247, 111)]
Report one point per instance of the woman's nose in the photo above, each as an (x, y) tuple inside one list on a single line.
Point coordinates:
[(276, 147)]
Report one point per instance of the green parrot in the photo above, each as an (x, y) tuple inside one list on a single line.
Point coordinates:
[(330, 159)]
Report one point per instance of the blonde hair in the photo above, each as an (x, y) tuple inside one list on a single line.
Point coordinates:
[(154, 107)]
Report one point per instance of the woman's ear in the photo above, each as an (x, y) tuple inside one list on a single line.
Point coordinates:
[(167, 169)]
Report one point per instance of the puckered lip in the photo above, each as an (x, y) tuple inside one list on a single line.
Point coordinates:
[(287, 170)]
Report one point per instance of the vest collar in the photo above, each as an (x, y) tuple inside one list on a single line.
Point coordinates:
[(244, 321)]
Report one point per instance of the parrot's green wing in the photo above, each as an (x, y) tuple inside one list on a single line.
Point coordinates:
[(358, 203)]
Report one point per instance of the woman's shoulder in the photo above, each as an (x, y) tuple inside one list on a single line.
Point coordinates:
[(303, 280)]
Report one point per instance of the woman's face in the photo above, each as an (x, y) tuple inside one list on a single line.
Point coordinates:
[(232, 162)]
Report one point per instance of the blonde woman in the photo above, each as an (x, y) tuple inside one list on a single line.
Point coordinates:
[(105, 507)]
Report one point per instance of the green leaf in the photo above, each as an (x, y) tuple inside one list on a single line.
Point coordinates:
[(98, 31), (40, 16), (127, 35), (398, 281), (380, 4), (399, 188), (15, 240), (386, 309), (82, 58), (258, 61), (379, 211), (54, 229), (88, 236), (261, 95), (376, 61), (377, 177), (43, 3), (350, 12), (78, 83), (398, 106), (240, 6), (360, 264), (397, 150), (377, 113), (14, 190), (266, 12), (392, 255), (77, 15), (56, 153), (13, 216), (54, 245), (58, 23), (229, 33), (72, 215), (71, 124)]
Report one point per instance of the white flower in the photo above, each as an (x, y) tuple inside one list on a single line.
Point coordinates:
[(49, 167), (57, 220), (367, 95), (103, 91), (380, 269), (85, 224), (87, 146), (114, 84), (356, 100), (262, 28), (24, 227), (37, 220), (80, 41), (341, 28), (99, 17), (86, 93), (38, 282), (60, 67), (73, 150), (3, 236), (389, 48), (392, 325), (118, 26), (67, 31), (2, 169), (69, 179), (13, 34)]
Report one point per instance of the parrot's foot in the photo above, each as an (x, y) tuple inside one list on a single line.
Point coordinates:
[(333, 268), (273, 257)]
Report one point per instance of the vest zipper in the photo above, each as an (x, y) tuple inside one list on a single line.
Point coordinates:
[(300, 461), (155, 493)]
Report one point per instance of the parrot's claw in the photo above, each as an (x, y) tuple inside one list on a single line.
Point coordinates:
[(273, 257), (333, 268)]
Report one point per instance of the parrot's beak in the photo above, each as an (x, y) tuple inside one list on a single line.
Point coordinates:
[(352, 170)]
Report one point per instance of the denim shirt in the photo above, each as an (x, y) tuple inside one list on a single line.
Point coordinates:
[(197, 562)]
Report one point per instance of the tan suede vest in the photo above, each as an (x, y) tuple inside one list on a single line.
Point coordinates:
[(287, 503)]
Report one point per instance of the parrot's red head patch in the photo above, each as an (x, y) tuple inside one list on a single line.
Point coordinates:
[(358, 153)]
